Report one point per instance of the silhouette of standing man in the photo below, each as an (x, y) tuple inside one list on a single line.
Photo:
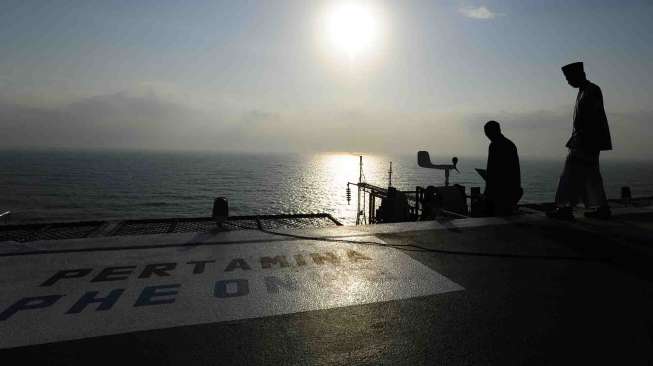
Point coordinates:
[(581, 177), (503, 182)]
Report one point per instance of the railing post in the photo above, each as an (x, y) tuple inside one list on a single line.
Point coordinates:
[(5, 216)]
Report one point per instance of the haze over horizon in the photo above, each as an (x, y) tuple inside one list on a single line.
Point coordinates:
[(276, 76)]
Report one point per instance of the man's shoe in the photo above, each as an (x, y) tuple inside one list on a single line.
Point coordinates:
[(601, 213), (561, 213)]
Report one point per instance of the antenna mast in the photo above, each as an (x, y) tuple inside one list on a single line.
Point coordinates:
[(360, 180)]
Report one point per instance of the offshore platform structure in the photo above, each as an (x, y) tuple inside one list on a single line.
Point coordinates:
[(399, 206)]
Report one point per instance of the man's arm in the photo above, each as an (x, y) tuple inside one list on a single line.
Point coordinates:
[(575, 140), (489, 168), (591, 120)]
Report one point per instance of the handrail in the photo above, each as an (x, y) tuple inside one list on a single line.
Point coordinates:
[(5, 215)]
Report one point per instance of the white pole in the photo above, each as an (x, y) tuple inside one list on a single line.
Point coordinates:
[(360, 180)]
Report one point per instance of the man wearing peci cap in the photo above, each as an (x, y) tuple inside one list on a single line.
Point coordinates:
[(581, 178)]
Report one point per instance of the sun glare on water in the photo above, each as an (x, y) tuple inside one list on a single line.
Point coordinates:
[(352, 29)]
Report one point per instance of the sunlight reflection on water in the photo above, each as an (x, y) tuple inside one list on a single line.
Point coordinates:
[(51, 186)]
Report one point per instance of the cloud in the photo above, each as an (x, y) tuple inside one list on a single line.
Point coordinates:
[(151, 122), (480, 12), (143, 121), (108, 121), (543, 133), (537, 133)]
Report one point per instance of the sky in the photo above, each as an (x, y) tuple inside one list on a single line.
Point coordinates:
[(259, 76)]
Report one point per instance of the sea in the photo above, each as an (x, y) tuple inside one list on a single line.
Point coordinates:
[(57, 185)]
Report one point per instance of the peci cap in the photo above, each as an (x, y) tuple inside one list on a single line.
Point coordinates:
[(573, 68)]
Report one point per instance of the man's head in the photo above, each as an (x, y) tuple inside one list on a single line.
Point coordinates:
[(575, 74), (492, 130)]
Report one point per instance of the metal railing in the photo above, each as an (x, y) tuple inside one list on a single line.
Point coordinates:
[(4, 217)]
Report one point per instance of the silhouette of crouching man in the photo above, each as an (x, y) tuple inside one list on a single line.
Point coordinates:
[(503, 181)]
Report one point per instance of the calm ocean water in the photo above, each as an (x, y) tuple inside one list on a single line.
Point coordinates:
[(83, 185)]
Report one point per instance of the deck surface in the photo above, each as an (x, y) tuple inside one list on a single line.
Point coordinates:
[(520, 290)]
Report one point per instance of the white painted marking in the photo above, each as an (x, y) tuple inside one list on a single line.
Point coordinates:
[(225, 290)]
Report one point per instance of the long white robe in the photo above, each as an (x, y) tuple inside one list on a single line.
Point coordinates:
[(581, 179)]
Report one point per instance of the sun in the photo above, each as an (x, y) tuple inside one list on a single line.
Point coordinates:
[(352, 29)]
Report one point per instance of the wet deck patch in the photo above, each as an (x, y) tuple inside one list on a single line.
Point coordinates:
[(65, 296)]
